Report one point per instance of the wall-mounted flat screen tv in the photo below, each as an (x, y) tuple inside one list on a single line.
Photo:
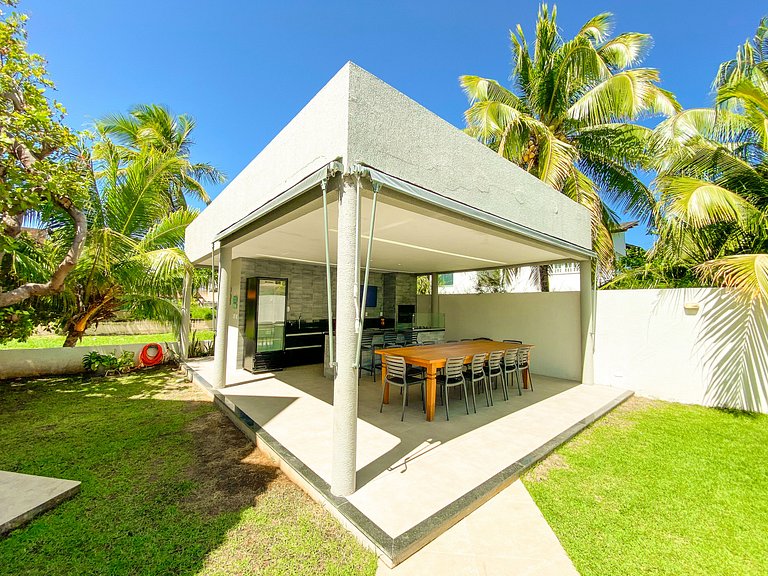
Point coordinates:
[(371, 297)]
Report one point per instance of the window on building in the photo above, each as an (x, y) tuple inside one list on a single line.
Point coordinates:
[(445, 279)]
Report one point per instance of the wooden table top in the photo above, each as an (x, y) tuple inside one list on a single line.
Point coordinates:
[(436, 354)]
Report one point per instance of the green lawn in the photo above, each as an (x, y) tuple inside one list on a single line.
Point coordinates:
[(169, 486), (53, 341), (661, 488)]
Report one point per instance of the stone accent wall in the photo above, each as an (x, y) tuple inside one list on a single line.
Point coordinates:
[(306, 291), (398, 289)]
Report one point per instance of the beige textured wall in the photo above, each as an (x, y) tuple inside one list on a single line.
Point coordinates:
[(395, 134), (551, 322)]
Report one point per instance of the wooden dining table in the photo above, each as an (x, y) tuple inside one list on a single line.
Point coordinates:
[(433, 357)]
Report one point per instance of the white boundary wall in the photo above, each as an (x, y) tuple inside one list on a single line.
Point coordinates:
[(645, 341), (682, 345), (25, 362)]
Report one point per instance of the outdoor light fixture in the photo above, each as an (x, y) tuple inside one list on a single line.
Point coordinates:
[(691, 308)]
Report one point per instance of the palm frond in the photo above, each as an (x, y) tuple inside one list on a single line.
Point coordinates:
[(168, 232), (745, 273), (598, 28), (625, 95), (625, 50), (700, 203)]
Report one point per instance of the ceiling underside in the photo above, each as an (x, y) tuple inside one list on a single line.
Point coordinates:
[(408, 237)]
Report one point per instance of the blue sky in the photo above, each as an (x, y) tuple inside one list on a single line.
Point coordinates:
[(244, 69)]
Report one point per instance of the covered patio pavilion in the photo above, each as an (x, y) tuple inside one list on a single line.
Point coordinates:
[(365, 181)]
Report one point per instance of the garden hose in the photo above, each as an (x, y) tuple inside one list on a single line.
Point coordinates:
[(154, 359)]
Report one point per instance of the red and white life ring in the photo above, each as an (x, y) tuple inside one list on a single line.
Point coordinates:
[(153, 359)]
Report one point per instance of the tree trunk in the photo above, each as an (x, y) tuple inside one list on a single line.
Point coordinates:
[(544, 277), (73, 337)]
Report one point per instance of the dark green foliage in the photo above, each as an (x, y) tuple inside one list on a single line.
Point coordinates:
[(635, 271), (106, 363)]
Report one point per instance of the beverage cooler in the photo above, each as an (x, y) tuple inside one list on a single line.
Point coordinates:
[(265, 312)]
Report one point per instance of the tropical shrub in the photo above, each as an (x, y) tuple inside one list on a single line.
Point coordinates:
[(106, 363), (199, 348)]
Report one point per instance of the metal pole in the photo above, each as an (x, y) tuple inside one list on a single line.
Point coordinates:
[(376, 187), (329, 296), (435, 298), (344, 464)]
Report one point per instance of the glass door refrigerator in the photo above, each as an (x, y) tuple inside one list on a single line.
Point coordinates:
[(265, 312)]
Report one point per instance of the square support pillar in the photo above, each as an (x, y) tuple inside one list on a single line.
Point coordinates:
[(435, 295), (587, 298), (344, 459), (222, 319)]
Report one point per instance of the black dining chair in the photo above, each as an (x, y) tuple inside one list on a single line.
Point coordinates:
[(510, 369), (453, 376), (524, 364), (494, 372), (476, 374), (397, 375)]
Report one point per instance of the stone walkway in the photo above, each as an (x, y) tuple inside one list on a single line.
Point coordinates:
[(506, 535), (23, 496)]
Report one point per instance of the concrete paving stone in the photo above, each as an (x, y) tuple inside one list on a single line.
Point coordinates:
[(23, 496)]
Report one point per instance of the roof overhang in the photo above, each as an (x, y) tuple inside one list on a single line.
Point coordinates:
[(415, 230)]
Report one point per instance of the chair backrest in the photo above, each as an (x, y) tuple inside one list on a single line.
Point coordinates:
[(390, 338), (510, 359), (396, 369), (494, 360), (367, 339), (514, 341), (454, 369), (478, 362), (482, 338), (427, 343), (466, 339), (523, 354)]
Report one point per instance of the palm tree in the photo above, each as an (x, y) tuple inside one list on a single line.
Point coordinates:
[(133, 258), (713, 177), (149, 126), (713, 188), (567, 118)]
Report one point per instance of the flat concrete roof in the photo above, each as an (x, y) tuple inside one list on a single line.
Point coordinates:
[(358, 119)]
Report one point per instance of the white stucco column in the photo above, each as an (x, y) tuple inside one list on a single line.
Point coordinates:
[(222, 319), (435, 295), (186, 305), (344, 465), (587, 295)]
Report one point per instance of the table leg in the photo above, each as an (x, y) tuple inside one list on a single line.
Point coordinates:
[(431, 392), (384, 380)]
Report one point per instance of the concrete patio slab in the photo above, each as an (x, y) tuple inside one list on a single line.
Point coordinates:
[(23, 496), (415, 479), (506, 535)]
